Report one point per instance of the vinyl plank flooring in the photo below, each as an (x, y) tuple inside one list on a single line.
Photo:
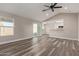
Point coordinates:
[(44, 46)]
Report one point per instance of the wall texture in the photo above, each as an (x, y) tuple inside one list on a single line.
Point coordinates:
[(78, 27), (70, 26), (23, 28)]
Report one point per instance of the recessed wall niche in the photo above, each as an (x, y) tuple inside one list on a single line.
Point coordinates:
[(56, 25)]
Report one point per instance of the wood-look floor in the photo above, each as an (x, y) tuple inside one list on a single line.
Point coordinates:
[(41, 47)]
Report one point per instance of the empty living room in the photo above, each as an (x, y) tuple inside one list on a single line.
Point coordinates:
[(39, 29)]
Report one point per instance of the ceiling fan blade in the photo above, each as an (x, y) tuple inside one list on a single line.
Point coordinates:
[(46, 6), (58, 7), (45, 9), (54, 4)]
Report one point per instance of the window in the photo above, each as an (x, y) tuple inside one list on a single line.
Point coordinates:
[(6, 26), (34, 28), (43, 25)]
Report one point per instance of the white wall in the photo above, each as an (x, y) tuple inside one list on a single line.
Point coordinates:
[(23, 28), (78, 27), (70, 26)]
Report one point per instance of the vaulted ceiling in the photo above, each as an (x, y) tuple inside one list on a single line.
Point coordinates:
[(34, 10)]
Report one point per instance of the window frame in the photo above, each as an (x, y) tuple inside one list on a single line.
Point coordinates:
[(12, 19)]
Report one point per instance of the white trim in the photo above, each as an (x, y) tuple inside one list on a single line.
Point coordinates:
[(66, 38), (32, 37), (14, 40)]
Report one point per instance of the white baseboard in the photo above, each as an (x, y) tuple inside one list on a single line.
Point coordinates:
[(14, 40), (32, 37), (66, 38)]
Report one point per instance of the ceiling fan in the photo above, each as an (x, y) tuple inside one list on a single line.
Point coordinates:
[(52, 6)]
